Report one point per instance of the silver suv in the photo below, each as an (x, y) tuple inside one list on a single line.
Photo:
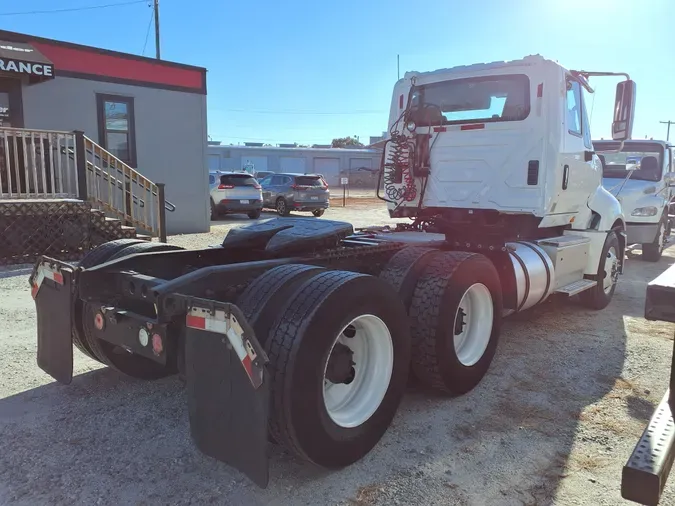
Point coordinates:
[(288, 192), (234, 192)]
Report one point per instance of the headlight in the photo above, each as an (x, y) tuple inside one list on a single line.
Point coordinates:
[(645, 211), (411, 126)]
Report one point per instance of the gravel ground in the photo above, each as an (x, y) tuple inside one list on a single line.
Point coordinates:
[(553, 422)]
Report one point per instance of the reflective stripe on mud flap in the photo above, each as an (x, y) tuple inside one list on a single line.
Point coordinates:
[(48, 272), (220, 322)]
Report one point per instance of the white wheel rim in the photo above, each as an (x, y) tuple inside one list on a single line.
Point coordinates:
[(611, 270), (350, 405), (474, 316)]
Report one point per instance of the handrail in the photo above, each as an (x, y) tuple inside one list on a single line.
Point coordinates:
[(169, 206)]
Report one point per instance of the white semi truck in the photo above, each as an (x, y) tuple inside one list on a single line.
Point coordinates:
[(304, 332), (641, 176)]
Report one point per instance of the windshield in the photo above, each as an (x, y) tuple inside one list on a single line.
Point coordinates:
[(308, 181), (485, 99), (238, 180), (644, 159)]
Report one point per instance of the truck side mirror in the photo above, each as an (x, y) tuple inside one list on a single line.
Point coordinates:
[(669, 179), (624, 110)]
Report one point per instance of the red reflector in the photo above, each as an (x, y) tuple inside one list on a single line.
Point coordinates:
[(440, 129), (400, 102), (477, 126), (195, 322), (225, 186), (540, 90)]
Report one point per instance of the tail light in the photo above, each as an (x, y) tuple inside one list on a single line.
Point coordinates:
[(323, 183), (225, 186), (257, 186), (295, 187)]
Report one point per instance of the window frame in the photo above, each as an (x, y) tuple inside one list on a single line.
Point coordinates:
[(101, 99), (522, 78), (571, 81)]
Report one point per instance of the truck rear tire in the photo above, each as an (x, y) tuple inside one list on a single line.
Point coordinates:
[(404, 269), (652, 252), (144, 247), (456, 318), (96, 256), (262, 300), (601, 294), (113, 356), (339, 359)]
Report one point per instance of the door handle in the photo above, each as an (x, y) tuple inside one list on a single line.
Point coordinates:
[(566, 177)]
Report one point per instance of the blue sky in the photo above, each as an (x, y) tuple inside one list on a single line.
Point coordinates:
[(308, 71)]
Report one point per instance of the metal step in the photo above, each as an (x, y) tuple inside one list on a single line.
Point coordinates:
[(577, 287), (647, 470)]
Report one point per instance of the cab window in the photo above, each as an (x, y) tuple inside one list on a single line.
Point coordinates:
[(574, 107)]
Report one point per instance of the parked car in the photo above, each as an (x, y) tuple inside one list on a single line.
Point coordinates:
[(262, 174), (234, 192), (288, 192)]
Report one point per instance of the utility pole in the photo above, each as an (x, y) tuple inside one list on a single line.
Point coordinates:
[(157, 29), (668, 131), (398, 66)]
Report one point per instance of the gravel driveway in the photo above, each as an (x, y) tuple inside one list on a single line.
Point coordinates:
[(554, 420)]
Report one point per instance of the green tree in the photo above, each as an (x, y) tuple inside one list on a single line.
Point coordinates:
[(347, 142)]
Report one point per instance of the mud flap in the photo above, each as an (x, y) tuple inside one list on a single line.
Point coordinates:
[(228, 388), (52, 290)]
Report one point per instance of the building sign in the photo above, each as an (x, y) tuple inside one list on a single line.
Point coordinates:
[(25, 60)]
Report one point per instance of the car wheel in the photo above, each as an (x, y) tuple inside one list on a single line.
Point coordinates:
[(214, 211), (254, 215), (318, 212), (282, 207)]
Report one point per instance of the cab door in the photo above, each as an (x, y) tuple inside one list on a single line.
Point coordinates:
[(581, 173)]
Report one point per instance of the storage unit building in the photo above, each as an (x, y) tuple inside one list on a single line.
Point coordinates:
[(358, 165)]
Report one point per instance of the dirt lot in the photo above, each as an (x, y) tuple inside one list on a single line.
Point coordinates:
[(554, 420)]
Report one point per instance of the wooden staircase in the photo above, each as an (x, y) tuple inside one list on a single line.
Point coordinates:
[(62, 193)]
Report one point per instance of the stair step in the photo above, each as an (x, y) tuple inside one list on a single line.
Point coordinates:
[(126, 227), (109, 219), (577, 287), (144, 237)]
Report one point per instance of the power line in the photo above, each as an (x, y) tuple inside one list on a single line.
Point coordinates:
[(311, 113), (147, 33), (72, 9)]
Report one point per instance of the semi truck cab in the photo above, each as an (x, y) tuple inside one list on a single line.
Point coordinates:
[(641, 177)]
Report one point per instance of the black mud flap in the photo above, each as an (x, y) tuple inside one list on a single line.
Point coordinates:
[(52, 288), (228, 388)]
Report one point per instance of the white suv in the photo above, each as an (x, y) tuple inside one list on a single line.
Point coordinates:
[(234, 192)]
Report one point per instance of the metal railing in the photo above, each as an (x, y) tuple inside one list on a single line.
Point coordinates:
[(34, 164), (120, 190)]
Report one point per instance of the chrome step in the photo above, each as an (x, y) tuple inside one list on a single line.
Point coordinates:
[(577, 287)]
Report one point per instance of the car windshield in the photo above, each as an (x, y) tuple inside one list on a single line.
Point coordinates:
[(238, 180), (645, 160), (484, 99), (308, 181)]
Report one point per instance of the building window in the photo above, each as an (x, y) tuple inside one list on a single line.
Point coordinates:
[(116, 130)]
